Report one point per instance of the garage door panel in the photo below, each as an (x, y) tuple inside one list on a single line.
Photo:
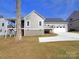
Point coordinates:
[(59, 30)]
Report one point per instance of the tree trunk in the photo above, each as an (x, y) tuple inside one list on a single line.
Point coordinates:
[(18, 20)]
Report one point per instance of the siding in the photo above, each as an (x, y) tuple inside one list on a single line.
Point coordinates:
[(34, 20), (3, 28), (33, 32)]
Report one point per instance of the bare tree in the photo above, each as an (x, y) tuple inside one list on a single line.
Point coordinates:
[(18, 20)]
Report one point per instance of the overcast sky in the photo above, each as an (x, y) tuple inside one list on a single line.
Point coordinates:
[(47, 8)]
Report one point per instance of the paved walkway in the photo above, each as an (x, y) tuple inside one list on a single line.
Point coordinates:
[(61, 37)]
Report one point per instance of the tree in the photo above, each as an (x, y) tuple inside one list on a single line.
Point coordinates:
[(18, 20)]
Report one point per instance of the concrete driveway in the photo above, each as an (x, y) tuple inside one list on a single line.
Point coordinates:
[(61, 37)]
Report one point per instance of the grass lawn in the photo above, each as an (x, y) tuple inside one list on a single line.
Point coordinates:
[(30, 48)]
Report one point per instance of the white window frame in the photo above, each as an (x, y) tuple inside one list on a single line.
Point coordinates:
[(27, 23), (40, 23)]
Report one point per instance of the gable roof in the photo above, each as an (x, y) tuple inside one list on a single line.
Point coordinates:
[(54, 20), (35, 13), (39, 14), (74, 15)]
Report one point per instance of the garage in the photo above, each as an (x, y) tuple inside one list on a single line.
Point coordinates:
[(57, 25), (60, 29)]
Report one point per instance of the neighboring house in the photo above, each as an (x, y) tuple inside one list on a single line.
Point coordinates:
[(35, 24), (6, 25), (3, 25), (73, 20)]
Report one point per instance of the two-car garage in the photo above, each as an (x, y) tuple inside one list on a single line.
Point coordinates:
[(55, 30), (59, 30), (57, 25)]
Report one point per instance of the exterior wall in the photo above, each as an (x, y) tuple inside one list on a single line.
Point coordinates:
[(3, 27), (34, 20), (33, 28), (33, 32), (73, 20), (74, 25)]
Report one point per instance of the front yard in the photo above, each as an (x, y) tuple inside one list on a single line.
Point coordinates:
[(30, 48)]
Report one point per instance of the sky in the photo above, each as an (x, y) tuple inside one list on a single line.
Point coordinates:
[(47, 8)]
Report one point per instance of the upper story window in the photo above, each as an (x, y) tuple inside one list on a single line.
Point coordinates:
[(70, 19), (2, 24), (48, 25), (70, 24), (60, 26), (52, 26), (27, 23), (0, 30), (40, 23), (57, 27), (63, 26)]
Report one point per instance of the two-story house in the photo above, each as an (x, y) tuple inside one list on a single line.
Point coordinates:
[(73, 20), (35, 24), (3, 25)]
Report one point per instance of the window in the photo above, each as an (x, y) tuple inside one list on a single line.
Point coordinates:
[(48, 25), (0, 30), (52, 26), (2, 24), (40, 23), (27, 23), (63, 26), (71, 24), (70, 19), (57, 26), (60, 26)]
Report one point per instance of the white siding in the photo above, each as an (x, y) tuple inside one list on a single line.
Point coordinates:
[(3, 28), (34, 20)]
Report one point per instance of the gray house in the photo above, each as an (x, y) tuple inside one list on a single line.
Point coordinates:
[(35, 24), (73, 20)]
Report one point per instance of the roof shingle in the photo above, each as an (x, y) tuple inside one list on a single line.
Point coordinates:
[(54, 20)]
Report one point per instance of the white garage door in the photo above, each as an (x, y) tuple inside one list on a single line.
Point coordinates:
[(59, 30)]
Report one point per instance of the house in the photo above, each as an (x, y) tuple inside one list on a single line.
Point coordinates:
[(36, 24), (3, 25), (73, 20), (33, 24)]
